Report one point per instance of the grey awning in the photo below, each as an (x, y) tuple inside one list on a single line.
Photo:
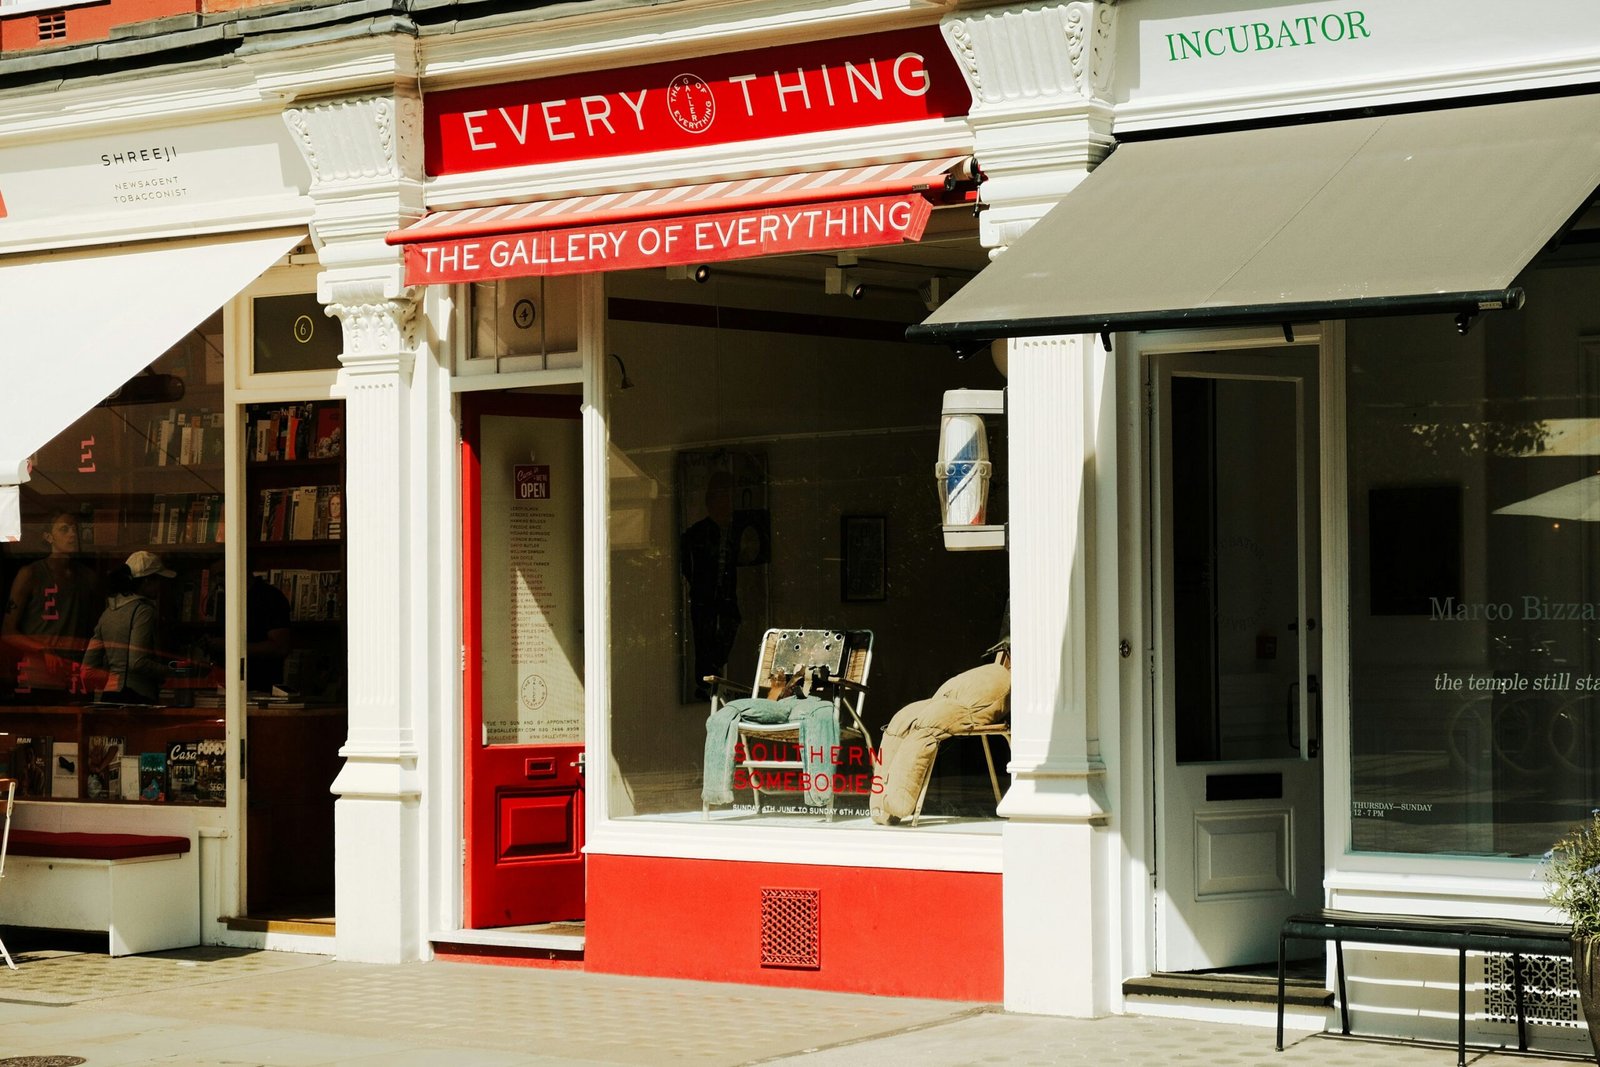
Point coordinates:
[(1410, 213)]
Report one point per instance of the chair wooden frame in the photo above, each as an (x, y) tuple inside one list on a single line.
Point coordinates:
[(785, 651)]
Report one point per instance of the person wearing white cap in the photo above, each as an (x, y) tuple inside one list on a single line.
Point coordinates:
[(121, 663)]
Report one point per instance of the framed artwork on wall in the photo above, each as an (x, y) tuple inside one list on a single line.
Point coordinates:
[(863, 561)]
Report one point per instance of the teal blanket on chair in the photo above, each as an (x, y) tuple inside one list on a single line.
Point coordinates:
[(817, 719)]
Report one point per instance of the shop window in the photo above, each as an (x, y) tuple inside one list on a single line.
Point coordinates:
[(522, 324), (294, 333), (109, 680), (774, 511), (1474, 510)]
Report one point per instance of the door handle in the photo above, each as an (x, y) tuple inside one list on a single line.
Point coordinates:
[(1291, 719), (1314, 697)]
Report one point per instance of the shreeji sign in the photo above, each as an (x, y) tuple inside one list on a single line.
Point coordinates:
[(844, 83), (1263, 36)]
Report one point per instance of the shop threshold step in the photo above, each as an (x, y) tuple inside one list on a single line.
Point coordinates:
[(560, 937), (1236, 989), (264, 925)]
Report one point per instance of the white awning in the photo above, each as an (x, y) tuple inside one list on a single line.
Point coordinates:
[(75, 325)]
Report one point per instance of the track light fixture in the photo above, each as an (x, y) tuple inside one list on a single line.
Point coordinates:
[(843, 281), (685, 272)]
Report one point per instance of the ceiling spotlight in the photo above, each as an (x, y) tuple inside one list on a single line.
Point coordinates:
[(702, 274), (685, 272), (843, 281)]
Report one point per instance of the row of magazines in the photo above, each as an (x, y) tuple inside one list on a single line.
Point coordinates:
[(184, 772)]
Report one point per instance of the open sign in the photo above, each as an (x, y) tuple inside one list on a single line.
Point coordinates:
[(532, 481)]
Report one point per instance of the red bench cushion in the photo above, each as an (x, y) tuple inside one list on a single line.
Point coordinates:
[(74, 846)]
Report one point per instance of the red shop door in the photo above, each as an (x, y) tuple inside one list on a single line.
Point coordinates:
[(522, 475)]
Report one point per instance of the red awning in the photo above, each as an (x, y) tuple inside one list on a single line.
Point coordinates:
[(817, 211)]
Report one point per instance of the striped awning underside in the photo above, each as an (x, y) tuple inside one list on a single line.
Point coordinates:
[(736, 194)]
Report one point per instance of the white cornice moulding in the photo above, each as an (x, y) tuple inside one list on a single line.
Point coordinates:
[(358, 67), (129, 108), (614, 39), (1266, 103)]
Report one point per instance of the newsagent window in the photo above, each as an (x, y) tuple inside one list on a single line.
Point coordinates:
[(791, 641), (1474, 514), (110, 685)]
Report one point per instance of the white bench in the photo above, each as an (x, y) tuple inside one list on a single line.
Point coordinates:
[(143, 890)]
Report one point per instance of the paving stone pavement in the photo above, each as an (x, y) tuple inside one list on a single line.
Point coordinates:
[(231, 1008)]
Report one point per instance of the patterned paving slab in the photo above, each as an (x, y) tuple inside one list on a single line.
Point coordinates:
[(50, 976), (1133, 1041)]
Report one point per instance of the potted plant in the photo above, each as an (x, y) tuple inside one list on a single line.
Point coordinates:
[(1572, 883)]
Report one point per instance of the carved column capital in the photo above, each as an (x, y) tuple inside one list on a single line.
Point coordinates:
[(360, 140), (1041, 113), (1054, 52), (380, 329)]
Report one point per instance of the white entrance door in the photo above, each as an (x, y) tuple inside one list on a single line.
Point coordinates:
[(1237, 634)]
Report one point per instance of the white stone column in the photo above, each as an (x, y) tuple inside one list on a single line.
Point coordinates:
[(1042, 119), (1059, 889), (365, 158)]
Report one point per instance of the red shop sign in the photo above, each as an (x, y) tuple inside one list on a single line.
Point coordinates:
[(844, 83), (709, 238)]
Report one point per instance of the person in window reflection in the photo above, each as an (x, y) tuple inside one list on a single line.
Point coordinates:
[(50, 613), (122, 664), (707, 558), (267, 634)]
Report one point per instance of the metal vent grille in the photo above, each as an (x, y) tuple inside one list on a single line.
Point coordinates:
[(791, 928), (52, 25), (1549, 994)]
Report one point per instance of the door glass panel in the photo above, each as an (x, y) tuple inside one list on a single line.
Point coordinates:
[(532, 584), (1236, 569)]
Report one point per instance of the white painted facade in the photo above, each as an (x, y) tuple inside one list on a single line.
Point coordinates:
[(1053, 86)]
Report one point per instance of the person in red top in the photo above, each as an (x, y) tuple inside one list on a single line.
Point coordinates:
[(50, 612)]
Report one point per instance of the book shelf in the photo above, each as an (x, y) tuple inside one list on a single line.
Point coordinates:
[(142, 471), (295, 720)]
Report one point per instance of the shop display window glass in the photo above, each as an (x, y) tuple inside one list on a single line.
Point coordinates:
[(775, 523), (1474, 509), (110, 689)]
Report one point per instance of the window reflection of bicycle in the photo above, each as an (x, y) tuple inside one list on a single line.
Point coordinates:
[(1527, 734)]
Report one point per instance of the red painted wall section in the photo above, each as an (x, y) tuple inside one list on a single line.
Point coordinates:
[(890, 932)]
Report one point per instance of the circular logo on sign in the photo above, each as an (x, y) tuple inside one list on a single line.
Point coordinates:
[(522, 313), (690, 103), (304, 328), (534, 692)]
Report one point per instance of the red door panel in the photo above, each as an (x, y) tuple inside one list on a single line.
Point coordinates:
[(523, 682)]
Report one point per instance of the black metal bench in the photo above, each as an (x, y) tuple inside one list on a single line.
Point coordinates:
[(1513, 936)]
